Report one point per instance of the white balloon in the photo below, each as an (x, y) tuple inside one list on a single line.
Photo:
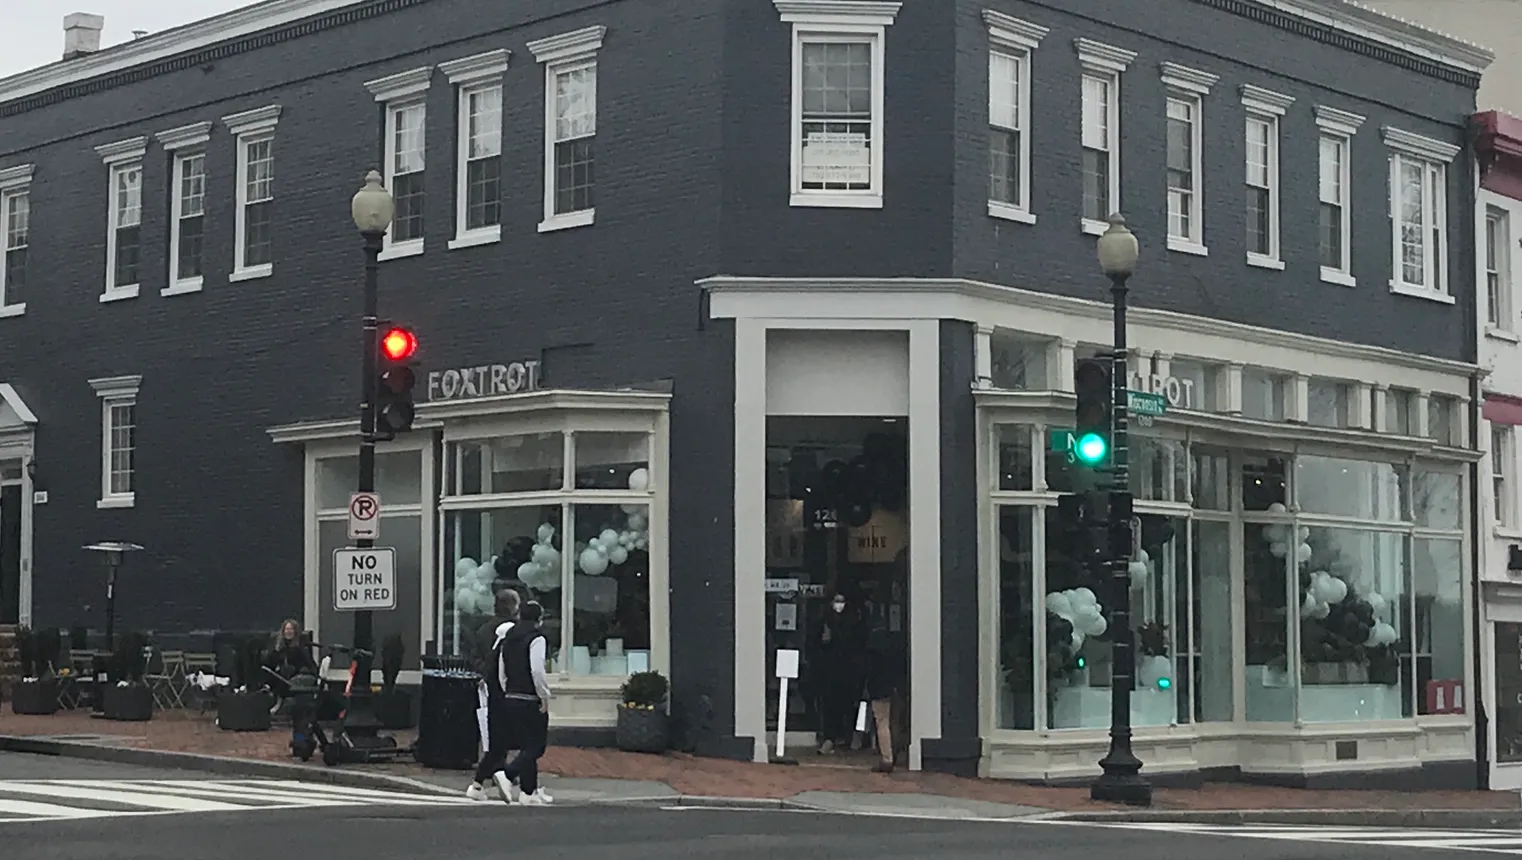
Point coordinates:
[(1059, 605), (1382, 634), (528, 572), (542, 553), (639, 480), (1309, 604), (1098, 627), (593, 563), (608, 537), (1322, 611), (1076, 639), (1336, 590), (1278, 548), (1303, 553), (1084, 597), (465, 601), (465, 568), (546, 533), (553, 563), (626, 539), (1273, 533), (1303, 532), (1138, 570), (1377, 602), (1277, 508), (618, 554), (636, 522), (1142, 556), (595, 544), (486, 574), (642, 542)]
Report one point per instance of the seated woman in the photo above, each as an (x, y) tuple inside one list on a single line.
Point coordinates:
[(288, 658)]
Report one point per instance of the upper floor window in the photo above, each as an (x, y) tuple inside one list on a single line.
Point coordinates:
[(404, 146), (1443, 419), (570, 123), (1264, 394), (187, 205), (1498, 313), (1336, 221), (1012, 42), (1501, 458), (1264, 109), (1418, 184), (15, 227), (124, 217), (1328, 403), (253, 243), (1186, 99), (1400, 417), (478, 149), (118, 444), (1100, 97)]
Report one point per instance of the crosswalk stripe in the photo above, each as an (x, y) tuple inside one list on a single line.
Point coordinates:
[(1487, 840), (119, 796), (33, 809), (223, 790), (365, 794)]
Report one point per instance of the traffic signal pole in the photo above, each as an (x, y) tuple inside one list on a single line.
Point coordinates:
[(360, 714)]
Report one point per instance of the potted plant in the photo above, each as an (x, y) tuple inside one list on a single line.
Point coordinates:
[(1153, 667), (37, 690), (128, 698), (642, 718), (393, 706), (246, 707)]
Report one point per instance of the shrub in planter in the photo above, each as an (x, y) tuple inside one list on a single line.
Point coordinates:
[(393, 706), (246, 707), (642, 719), (37, 691), (129, 698)]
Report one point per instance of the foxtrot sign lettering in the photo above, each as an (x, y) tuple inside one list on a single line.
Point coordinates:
[(487, 380), (1180, 392)]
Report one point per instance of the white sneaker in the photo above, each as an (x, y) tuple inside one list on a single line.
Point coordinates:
[(506, 787), (545, 793), (475, 792), (535, 799)]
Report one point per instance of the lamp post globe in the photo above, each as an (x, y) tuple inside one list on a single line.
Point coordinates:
[(1118, 249), (373, 207)]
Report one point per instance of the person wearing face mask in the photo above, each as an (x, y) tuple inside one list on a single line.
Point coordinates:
[(838, 673)]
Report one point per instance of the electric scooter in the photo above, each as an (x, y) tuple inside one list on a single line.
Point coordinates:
[(350, 738)]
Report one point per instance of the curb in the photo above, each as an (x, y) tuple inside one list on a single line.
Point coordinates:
[(217, 764), (1436, 818)]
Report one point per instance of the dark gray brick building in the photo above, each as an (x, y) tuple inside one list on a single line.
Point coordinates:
[(729, 307)]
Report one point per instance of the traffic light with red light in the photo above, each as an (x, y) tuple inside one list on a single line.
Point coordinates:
[(394, 408), (1092, 419)]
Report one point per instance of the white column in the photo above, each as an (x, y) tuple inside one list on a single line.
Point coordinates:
[(924, 535), (1060, 373), (1298, 393), (750, 533), (1381, 397), (1229, 389), (1360, 406), (24, 588), (983, 357), (1419, 426), (1462, 412)]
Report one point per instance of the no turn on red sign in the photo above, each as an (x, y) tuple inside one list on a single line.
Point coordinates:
[(364, 516)]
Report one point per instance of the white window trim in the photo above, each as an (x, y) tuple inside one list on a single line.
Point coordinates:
[(1407, 144), (184, 142), (1192, 85), (114, 391), (1271, 107), (1018, 40), (119, 156), (830, 20), (1100, 60), (248, 127), (467, 75), (14, 181), (559, 54), (1505, 329), (1342, 125), (396, 92), (1503, 465)]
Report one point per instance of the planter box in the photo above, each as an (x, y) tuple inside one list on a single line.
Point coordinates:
[(243, 712), (642, 730), (394, 709), (133, 703), (35, 697)]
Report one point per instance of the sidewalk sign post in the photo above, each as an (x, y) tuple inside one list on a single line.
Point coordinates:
[(787, 670)]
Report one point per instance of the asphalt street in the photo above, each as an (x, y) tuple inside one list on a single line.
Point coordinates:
[(53, 808)]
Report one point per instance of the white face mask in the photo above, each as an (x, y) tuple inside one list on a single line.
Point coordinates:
[(840, 606)]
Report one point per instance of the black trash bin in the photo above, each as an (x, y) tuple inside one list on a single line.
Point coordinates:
[(448, 736)]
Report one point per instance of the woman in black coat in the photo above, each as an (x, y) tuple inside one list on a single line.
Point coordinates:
[(839, 666)]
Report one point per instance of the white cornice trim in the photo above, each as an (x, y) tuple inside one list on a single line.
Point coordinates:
[(15, 177), (1338, 121), (1419, 145), (117, 386), (250, 121), (476, 68), (402, 85), (194, 134), (1187, 79), (569, 47), (1099, 57), (935, 298), (1265, 101), (1012, 32), (130, 149), (1366, 22), (12, 398), (828, 13)]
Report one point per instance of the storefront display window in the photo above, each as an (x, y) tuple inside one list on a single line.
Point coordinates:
[(1437, 587), (1327, 402), (1159, 469), (1017, 632), (1015, 461), (521, 463), (1209, 668), (1018, 363), (1211, 478), (1357, 489)]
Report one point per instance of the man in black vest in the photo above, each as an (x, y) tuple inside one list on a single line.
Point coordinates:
[(498, 737), (526, 704)]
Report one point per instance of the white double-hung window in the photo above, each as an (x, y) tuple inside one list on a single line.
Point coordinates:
[(1011, 44), (186, 147), (836, 125), (1502, 458), (118, 439), (1419, 213), (1498, 247), (15, 229), (124, 217), (1102, 67), (1335, 181), (1264, 108), (477, 83), (570, 126), (1187, 89), (403, 98), (254, 222)]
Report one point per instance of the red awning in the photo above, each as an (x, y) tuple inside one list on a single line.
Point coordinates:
[(1502, 409)]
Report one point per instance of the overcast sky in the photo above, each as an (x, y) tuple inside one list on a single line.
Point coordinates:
[(31, 34)]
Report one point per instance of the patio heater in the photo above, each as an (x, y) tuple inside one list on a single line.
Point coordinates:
[(115, 553)]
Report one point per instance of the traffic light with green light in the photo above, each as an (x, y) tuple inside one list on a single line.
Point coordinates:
[(1092, 425)]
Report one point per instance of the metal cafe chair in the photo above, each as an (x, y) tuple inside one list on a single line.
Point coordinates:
[(170, 681)]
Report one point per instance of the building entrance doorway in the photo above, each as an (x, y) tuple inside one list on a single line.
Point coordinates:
[(10, 542), (837, 525)]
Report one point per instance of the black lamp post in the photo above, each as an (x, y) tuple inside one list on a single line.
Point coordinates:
[(1121, 781), (373, 210), (115, 553)]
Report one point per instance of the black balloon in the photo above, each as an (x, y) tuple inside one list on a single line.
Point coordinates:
[(856, 514), (832, 479), (1059, 630)]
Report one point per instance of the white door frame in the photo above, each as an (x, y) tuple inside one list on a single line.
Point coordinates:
[(20, 452), (1502, 604)]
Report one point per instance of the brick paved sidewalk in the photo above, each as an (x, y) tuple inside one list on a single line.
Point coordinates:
[(688, 775)]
